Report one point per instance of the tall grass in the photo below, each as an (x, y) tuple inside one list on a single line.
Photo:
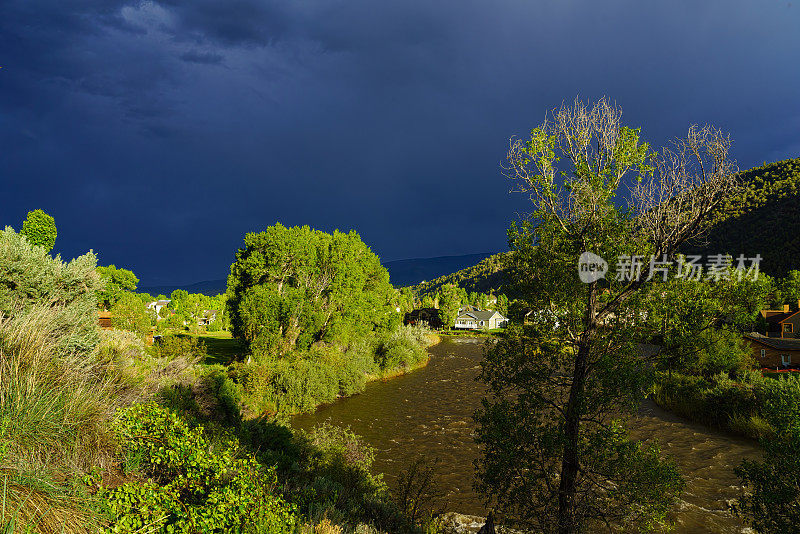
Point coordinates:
[(733, 405), (54, 413)]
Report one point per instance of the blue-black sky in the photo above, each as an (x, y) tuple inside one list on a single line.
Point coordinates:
[(157, 133)]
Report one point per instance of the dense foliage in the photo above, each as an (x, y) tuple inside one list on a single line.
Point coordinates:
[(302, 380), (198, 465), (128, 313), (192, 308), (39, 229), (292, 287), (735, 405), (191, 485)]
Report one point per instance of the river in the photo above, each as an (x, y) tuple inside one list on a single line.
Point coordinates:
[(429, 412)]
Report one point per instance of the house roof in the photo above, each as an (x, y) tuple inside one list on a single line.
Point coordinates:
[(777, 343), (789, 316), (776, 316), (481, 315)]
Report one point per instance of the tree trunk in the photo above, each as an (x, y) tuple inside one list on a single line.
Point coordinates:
[(567, 489), (570, 463)]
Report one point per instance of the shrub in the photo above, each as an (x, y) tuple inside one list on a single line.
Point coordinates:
[(190, 486), (301, 380), (712, 402), (418, 495), (123, 356), (402, 349), (724, 351), (30, 277)]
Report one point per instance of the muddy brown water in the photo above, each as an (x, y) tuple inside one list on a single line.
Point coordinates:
[(429, 412)]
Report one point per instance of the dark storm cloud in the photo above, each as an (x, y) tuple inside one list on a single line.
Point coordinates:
[(157, 133), (207, 58)]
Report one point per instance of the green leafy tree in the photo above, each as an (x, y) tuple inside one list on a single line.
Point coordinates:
[(128, 313), (449, 304), (118, 281), (684, 317), (557, 456), (406, 299), (502, 304), (177, 297), (790, 288), (39, 229), (292, 287)]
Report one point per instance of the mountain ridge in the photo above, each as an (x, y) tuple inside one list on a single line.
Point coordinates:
[(405, 272)]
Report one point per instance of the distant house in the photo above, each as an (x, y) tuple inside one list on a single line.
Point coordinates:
[(477, 319), (104, 319), (429, 316), (774, 351), (157, 305), (782, 323), (207, 317)]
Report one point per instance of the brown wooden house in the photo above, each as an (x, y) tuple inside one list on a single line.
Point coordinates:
[(782, 323), (430, 316), (104, 319), (774, 352)]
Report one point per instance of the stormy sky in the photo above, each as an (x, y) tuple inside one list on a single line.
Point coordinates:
[(157, 133)]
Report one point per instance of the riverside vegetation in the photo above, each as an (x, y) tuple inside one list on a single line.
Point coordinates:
[(99, 432)]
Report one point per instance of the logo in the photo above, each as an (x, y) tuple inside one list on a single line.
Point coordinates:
[(591, 267)]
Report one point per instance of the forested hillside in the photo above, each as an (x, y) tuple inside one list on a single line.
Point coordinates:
[(484, 277), (763, 220)]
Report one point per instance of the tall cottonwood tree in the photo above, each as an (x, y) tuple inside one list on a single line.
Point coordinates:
[(557, 456), (449, 304), (292, 287)]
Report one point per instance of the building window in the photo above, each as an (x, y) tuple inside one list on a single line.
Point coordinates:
[(763, 353), (787, 328), (786, 359)]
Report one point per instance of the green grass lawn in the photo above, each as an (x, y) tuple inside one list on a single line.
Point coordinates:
[(220, 346)]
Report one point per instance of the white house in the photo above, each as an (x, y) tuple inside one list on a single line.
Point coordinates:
[(157, 305), (478, 319)]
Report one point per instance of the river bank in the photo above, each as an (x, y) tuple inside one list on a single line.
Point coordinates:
[(432, 340)]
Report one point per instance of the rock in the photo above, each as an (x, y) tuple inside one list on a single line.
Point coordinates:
[(455, 523)]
